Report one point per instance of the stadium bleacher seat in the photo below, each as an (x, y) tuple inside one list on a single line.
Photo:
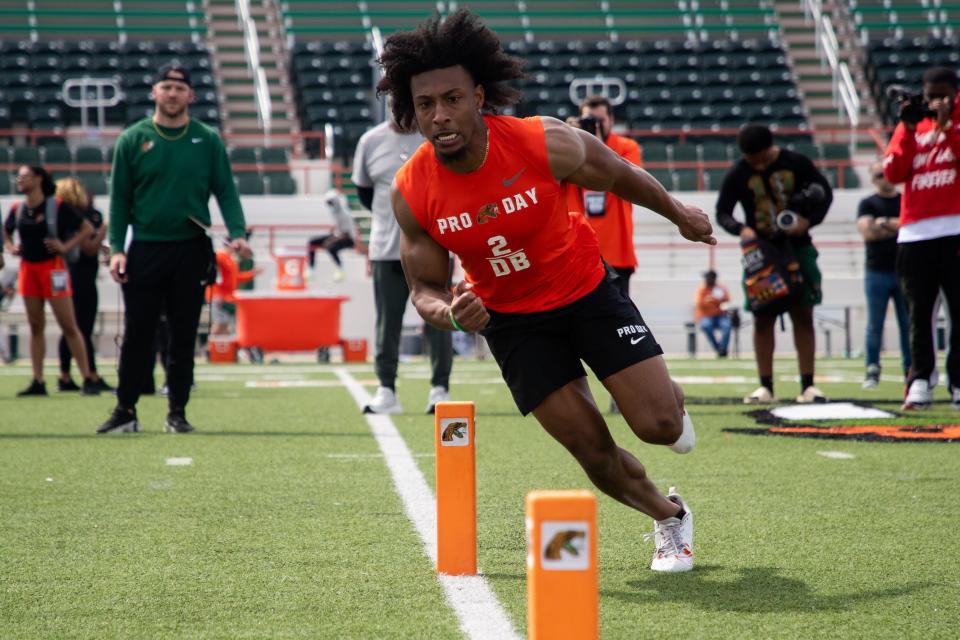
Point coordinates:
[(249, 183)]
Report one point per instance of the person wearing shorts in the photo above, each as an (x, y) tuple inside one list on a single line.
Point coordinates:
[(43, 269), (767, 181), (488, 188)]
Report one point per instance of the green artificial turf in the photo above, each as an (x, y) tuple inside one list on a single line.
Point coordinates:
[(287, 523)]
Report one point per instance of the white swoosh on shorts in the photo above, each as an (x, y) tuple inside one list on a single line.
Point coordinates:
[(636, 340)]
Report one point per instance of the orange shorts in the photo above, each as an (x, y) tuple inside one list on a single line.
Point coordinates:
[(47, 279)]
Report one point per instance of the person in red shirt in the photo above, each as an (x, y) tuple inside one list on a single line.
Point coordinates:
[(609, 216), (488, 188), (220, 295), (710, 312), (924, 154)]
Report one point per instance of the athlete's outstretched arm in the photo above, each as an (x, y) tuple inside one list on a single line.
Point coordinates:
[(581, 158), (426, 266)]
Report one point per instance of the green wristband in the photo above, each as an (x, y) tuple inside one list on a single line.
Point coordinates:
[(453, 321)]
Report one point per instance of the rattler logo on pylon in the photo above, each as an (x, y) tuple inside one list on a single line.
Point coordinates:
[(565, 545), (455, 432), (780, 422)]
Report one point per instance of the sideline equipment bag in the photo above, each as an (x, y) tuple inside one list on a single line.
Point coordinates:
[(771, 276)]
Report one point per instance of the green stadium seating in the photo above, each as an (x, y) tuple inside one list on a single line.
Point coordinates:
[(249, 184), (281, 184), (26, 155)]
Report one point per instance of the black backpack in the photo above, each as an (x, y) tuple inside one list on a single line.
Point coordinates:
[(771, 276)]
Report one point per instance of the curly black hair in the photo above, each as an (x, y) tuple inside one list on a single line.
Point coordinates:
[(461, 39), (47, 185)]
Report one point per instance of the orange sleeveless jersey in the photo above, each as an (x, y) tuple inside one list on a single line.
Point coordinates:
[(507, 221), (615, 227)]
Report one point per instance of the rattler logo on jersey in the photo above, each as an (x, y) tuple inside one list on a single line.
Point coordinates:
[(454, 432), (487, 212), (511, 204), (565, 545)]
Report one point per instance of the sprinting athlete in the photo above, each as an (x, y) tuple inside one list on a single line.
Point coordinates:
[(488, 188)]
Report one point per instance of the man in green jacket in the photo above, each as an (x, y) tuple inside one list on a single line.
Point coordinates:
[(165, 169)]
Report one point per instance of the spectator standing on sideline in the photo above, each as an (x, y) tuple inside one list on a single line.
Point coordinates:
[(924, 154), (380, 153), (342, 236), (164, 170), (710, 312), (878, 219), (221, 294), (766, 182), (247, 265), (83, 280), (49, 231), (611, 217)]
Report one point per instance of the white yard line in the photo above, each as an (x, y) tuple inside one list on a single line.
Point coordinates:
[(481, 615)]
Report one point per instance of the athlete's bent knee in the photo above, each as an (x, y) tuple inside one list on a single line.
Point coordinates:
[(666, 428)]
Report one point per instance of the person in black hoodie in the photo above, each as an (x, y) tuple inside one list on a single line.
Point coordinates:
[(769, 182)]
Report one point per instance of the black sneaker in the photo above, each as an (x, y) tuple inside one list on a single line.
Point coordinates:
[(90, 388), (104, 387), (36, 388), (120, 421), (67, 385), (177, 423)]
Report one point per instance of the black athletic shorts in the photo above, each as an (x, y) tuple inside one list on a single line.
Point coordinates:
[(540, 352)]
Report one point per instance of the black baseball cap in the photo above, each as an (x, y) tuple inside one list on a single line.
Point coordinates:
[(173, 72)]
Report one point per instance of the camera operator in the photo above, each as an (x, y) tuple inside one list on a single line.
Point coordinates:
[(783, 195), (923, 154), (610, 217)]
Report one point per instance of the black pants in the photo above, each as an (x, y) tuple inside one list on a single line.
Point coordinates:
[(163, 277), (390, 293), (334, 248), (83, 280), (924, 268)]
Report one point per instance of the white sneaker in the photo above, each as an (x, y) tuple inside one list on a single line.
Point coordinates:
[(687, 439), (674, 540), (955, 398), (919, 396), (437, 394), (872, 379), (811, 395), (761, 396), (384, 401)]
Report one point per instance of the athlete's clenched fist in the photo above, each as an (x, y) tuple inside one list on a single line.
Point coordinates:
[(466, 309)]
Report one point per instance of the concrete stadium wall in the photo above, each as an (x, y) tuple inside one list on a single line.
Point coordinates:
[(669, 271)]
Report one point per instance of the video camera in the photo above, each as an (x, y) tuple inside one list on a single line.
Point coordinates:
[(801, 201), (590, 125), (913, 106)]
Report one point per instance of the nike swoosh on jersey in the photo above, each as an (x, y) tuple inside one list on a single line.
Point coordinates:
[(509, 181), (636, 340), (196, 140)]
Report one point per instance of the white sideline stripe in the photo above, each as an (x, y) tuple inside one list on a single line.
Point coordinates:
[(179, 462), (481, 615), (836, 455)]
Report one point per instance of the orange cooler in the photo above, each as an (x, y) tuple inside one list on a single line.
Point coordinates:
[(222, 349), (288, 321), (291, 267)]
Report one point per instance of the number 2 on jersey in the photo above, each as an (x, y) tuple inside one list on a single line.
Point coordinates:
[(506, 261)]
